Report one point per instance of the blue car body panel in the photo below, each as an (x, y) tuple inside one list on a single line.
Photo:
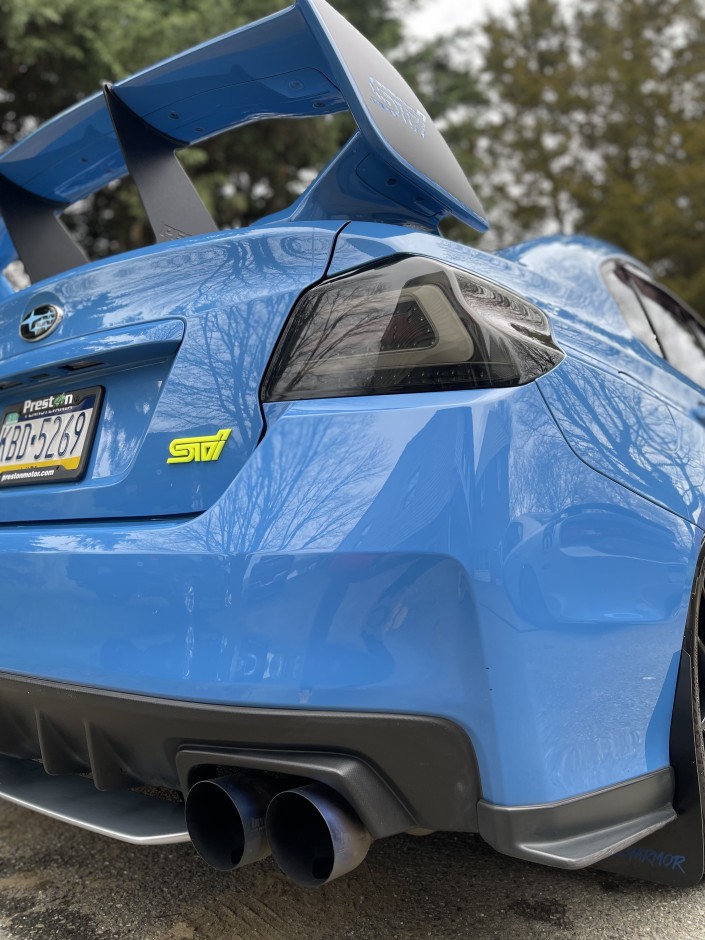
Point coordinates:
[(292, 534), (515, 560), (609, 378), (183, 335), (434, 554)]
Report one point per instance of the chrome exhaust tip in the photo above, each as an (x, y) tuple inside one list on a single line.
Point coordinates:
[(225, 818), (315, 835)]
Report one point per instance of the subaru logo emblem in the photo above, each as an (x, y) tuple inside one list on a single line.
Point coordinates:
[(40, 322)]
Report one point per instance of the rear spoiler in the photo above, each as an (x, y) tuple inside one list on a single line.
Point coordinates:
[(306, 60)]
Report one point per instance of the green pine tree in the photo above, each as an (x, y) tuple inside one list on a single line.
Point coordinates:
[(595, 124)]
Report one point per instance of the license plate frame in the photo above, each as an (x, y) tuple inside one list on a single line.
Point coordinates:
[(48, 416)]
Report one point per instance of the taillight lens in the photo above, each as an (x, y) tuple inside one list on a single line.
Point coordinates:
[(413, 325)]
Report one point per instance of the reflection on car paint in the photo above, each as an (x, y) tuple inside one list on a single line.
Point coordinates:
[(348, 584)]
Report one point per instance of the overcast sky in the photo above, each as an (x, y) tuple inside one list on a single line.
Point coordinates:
[(444, 16)]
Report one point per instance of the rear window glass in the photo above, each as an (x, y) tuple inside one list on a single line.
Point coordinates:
[(660, 320)]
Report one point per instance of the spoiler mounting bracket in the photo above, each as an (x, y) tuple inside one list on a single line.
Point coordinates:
[(41, 241), (173, 206)]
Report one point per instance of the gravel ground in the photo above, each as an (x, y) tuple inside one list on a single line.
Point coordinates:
[(60, 883)]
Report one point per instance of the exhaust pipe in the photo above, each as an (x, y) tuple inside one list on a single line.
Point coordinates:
[(225, 818), (315, 835)]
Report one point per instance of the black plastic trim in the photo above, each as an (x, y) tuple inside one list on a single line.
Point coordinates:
[(378, 806), (422, 769), (173, 206), (42, 243), (582, 830)]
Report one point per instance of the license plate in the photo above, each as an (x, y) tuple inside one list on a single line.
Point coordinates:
[(48, 439)]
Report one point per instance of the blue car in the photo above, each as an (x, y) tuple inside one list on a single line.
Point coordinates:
[(329, 528)]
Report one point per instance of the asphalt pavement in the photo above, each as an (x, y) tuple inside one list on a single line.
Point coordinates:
[(61, 883)]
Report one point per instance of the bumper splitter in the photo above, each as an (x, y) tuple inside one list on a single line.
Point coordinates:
[(121, 814)]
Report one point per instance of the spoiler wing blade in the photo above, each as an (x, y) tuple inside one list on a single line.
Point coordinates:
[(305, 60)]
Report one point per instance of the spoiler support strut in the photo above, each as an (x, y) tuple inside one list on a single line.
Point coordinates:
[(40, 239), (172, 204), (303, 61)]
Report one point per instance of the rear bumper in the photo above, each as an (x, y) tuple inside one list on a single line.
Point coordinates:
[(398, 771), (410, 554)]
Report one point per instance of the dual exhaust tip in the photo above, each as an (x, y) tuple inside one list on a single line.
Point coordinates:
[(314, 834)]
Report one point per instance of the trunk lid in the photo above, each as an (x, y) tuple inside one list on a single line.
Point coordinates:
[(168, 346)]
